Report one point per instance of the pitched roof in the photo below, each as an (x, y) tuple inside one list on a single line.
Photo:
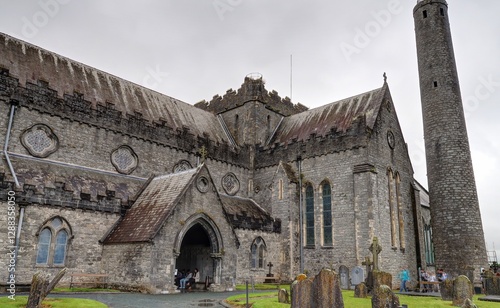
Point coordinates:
[(144, 219), (245, 213), (30, 63), (337, 116)]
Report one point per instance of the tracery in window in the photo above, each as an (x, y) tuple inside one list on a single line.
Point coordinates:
[(53, 242), (258, 253)]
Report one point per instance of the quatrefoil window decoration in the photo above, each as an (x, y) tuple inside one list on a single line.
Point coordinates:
[(124, 159), (230, 184), (40, 140)]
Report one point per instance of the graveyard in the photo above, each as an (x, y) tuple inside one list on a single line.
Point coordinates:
[(369, 287)]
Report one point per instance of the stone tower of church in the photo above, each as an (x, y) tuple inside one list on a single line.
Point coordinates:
[(456, 220)]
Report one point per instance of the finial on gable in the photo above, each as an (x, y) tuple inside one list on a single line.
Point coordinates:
[(385, 77)]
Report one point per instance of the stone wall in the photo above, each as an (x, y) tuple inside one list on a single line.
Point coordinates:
[(84, 251), (273, 255)]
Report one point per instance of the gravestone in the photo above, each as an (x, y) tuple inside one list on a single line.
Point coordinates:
[(375, 249), (468, 304), (462, 290), (326, 290), (302, 294), (381, 278), (383, 297), (344, 277), (357, 275), (446, 288), (360, 290), (270, 265), (283, 296), (491, 284), (321, 292), (369, 274)]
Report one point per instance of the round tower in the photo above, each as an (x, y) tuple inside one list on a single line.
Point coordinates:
[(457, 230)]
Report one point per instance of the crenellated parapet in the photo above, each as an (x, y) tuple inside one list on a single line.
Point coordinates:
[(252, 89), (63, 194), (74, 107), (335, 141)]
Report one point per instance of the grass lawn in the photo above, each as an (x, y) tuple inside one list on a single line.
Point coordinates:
[(20, 302), (270, 300)]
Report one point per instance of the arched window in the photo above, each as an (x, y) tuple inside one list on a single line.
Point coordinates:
[(258, 253), (53, 242), (327, 215), (399, 203), (309, 215), (280, 189), (392, 206), (60, 249), (429, 247), (43, 246)]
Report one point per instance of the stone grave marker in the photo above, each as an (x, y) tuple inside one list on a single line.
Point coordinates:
[(462, 290), (491, 283), (283, 296), (468, 304), (344, 277), (369, 274), (302, 294), (357, 275), (446, 289), (326, 290), (383, 297), (381, 278), (375, 249), (360, 290)]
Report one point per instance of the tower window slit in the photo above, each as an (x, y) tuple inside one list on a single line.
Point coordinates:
[(441, 11), (435, 84), (425, 14)]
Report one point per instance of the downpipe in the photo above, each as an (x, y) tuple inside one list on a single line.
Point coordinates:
[(13, 172)]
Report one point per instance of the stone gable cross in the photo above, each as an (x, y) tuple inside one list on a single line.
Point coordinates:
[(375, 249), (203, 153), (270, 265)]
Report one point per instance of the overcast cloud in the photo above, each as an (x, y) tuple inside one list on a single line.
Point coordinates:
[(193, 49)]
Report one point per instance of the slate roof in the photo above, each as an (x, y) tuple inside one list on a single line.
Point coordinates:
[(30, 63), (144, 219), (337, 116), (245, 213)]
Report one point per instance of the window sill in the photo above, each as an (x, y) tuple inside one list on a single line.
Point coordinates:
[(327, 247), (310, 247)]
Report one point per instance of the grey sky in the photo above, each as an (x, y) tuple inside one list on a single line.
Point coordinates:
[(193, 49)]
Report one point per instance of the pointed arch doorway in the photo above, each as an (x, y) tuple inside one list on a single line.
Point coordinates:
[(198, 245)]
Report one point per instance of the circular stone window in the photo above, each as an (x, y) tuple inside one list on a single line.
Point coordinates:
[(391, 140), (183, 165), (230, 184), (202, 184), (40, 141), (124, 159)]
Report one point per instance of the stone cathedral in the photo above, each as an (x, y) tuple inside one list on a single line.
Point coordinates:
[(110, 177)]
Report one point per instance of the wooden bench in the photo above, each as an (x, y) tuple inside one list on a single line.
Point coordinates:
[(88, 279), (429, 283)]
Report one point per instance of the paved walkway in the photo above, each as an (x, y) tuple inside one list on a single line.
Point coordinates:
[(137, 300)]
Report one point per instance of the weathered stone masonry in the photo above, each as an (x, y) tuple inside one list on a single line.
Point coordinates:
[(147, 184)]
